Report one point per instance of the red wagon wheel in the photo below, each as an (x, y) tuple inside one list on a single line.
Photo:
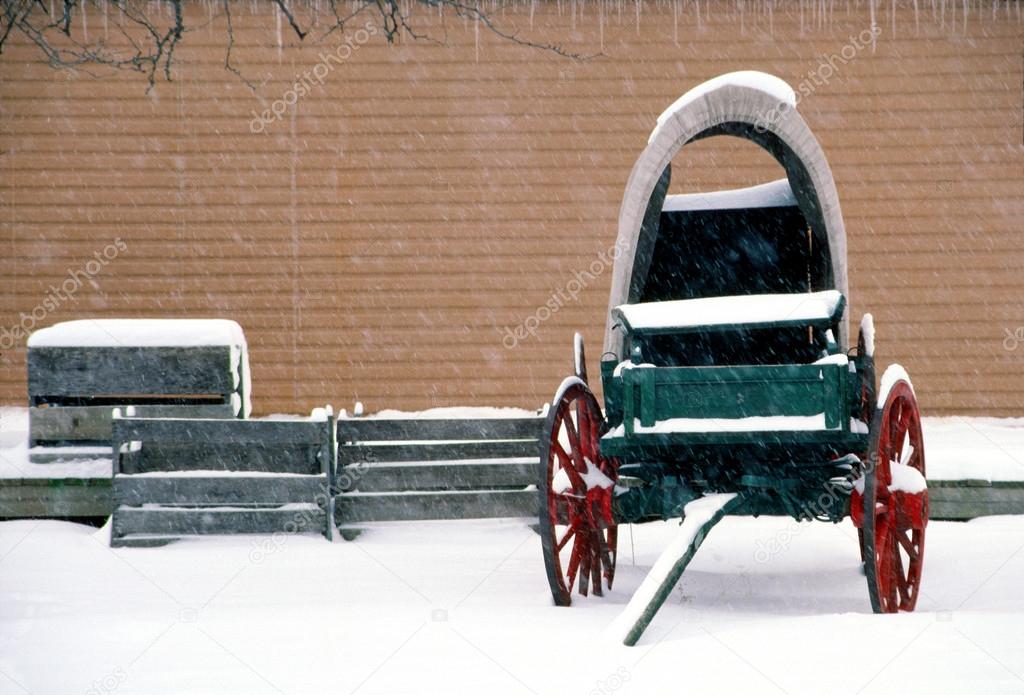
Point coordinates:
[(578, 533), (891, 506)]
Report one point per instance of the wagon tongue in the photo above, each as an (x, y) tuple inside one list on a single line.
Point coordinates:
[(698, 518)]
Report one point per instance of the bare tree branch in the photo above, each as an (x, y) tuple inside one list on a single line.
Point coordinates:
[(150, 39), (231, 44), (291, 19)]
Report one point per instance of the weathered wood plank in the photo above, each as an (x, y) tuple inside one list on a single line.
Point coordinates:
[(975, 482), (388, 477), (440, 451), (355, 508), (252, 457), (964, 499), (222, 432), (170, 521), (419, 429), (219, 490), (94, 371), (944, 510), (77, 423), (54, 497)]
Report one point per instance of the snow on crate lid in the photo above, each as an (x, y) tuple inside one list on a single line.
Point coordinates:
[(139, 333), (723, 312)]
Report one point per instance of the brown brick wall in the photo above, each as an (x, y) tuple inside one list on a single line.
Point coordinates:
[(374, 242)]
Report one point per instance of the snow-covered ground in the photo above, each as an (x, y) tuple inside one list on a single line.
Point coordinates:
[(767, 605), (463, 607)]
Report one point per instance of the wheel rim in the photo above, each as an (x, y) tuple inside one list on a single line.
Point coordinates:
[(894, 520), (578, 532)]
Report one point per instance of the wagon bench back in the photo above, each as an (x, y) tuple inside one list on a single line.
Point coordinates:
[(186, 476), (397, 469), (80, 370)]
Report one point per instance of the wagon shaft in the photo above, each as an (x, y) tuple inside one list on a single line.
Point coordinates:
[(698, 519)]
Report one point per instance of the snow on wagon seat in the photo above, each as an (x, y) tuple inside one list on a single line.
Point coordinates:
[(727, 313)]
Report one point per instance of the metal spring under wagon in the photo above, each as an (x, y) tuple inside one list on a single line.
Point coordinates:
[(728, 383)]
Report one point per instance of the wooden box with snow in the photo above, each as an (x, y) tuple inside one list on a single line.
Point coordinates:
[(78, 371), (730, 385)]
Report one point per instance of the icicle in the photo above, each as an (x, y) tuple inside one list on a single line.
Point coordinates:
[(277, 14), (637, 4), (85, 25), (917, 19), (533, 6), (675, 23), (476, 38)]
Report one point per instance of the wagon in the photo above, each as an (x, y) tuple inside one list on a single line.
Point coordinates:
[(730, 385)]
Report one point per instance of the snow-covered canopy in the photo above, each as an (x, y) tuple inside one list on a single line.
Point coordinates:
[(754, 106)]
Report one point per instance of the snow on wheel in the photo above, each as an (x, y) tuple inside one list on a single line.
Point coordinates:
[(578, 532), (890, 502)]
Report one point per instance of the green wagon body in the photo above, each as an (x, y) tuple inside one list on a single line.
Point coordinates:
[(690, 430)]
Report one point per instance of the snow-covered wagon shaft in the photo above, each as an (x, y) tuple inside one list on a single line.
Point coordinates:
[(730, 384)]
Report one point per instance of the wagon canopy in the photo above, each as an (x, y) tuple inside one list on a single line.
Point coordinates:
[(780, 237)]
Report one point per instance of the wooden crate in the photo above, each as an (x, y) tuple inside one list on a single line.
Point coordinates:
[(74, 387), (188, 476)]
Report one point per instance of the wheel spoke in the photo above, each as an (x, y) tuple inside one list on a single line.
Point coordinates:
[(574, 442), (574, 563), (900, 575), (578, 486), (569, 532), (908, 545), (584, 584)]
